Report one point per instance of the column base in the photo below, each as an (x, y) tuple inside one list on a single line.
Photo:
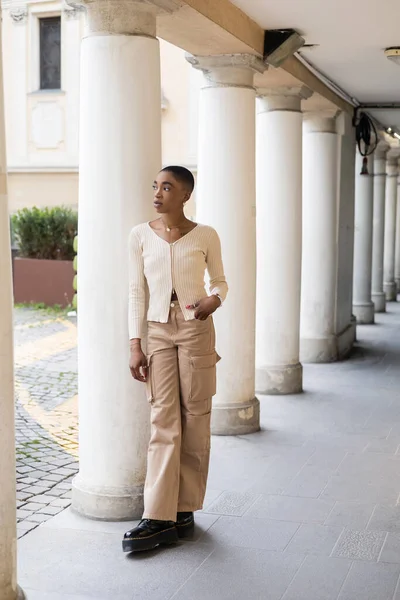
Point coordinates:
[(282, 380), (20, 594), (390, 289), (353, 321), (346, 340), (236, 419), (379, 300), (107, 504), (318, 350), (364, 313)]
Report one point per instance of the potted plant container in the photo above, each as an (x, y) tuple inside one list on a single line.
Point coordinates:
[(43, 269)]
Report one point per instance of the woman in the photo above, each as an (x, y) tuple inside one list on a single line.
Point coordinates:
[(168, 257)]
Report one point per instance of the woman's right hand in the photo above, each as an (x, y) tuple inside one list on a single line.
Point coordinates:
[(138, 364)]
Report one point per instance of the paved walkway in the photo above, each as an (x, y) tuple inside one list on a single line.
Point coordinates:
[(46, 414), (306, 509)]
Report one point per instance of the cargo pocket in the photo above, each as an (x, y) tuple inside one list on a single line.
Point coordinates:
[(149, 382), (203, 383)]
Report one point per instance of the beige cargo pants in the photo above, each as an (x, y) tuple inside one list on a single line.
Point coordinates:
[(181, 382)]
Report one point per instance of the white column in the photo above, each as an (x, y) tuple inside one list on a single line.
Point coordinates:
[(389, 285), (397, 249), (120, 154), (279, 193), (8, 516), (318, 341), (378, 232), (345, 327), (226, 200), (363, 307)]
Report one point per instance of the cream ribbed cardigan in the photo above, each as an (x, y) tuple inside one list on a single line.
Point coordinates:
[(159, 267)]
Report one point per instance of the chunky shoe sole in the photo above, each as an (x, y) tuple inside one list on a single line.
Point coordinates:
[(168, 536), (185, 529)]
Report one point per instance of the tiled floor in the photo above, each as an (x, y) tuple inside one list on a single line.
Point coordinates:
[(307, 509)]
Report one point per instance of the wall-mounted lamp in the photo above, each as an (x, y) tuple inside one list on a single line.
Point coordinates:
[(393, 54)]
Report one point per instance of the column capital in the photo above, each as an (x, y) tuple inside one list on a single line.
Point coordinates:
[(381, 151), (123, 17), (286, 98), (228, 70), (380, 158), (321, 121)]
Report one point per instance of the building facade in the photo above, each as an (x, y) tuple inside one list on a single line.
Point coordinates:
[(41, 58)]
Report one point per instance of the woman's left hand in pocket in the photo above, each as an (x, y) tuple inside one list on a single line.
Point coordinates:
[(205, 307)]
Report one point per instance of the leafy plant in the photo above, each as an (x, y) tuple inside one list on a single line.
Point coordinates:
[(46, 232)]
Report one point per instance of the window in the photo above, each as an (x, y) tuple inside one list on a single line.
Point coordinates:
[(50, 53)]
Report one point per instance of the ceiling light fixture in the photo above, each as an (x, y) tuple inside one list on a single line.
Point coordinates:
[(393, 54)]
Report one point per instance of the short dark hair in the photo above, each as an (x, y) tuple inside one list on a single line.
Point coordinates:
[(181, 174)]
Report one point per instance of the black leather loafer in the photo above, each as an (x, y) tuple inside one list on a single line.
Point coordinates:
[(185, 524), (149, 534)]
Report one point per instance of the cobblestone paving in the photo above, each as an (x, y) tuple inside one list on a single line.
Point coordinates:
[(46, 414)]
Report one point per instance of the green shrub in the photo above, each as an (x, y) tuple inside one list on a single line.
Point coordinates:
[(46, 232)]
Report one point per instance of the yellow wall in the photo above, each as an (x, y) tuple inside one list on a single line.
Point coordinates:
[(179, 117), (42, 189), (175, 117)]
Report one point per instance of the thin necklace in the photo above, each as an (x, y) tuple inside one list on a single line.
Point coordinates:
[(169, 228)]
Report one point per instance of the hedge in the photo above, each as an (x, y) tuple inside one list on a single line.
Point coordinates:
[(46, 233)]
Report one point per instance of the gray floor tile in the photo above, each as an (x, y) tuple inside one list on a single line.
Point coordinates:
[(282, 471), (236, 468), (386, 446), (364, 464), (203, 522), (370, 581), (353, 515), (329, 459), (232, 503), (397, 593), (80, 562), (286, 508), (341, 441), (239, 573), (391, 549), (385, 518), (351, 488), (318, 578), (68, 519), (246, 532), (211, 496), (309, 483), (39, 595), (314, 539), (359, 545)]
